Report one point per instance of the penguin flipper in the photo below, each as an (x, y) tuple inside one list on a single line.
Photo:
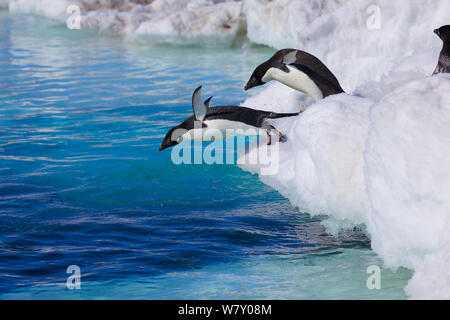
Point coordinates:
[(439, 69), (198, 106), (329, 80), (208, 102), (269, 128), (284, 68)]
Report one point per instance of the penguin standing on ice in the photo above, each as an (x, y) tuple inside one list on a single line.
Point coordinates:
[(222, 118), (300, 71), (444, 59)]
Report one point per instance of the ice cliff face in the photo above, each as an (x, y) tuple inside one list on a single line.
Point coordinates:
[(278, 23), (382, 157)]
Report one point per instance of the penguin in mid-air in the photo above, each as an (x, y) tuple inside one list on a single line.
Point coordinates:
[(444, 59), (300, 71), (222, 118)]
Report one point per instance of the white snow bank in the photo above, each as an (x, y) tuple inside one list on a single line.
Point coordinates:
[(321, 164), (49, 8), (408, 183), (215, 22), (277, 23), (408, 171), (171, 21), (274, 23), (384, 164), (348, 42), (382, 160), (432, 276)]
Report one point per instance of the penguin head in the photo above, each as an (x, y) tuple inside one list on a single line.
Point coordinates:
[(278, 60), (176, 135), (173, 137), (443, 33), (256, 78)]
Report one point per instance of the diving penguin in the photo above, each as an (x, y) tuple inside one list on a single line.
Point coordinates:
[(444, 59), (300, 71), (222, 118)]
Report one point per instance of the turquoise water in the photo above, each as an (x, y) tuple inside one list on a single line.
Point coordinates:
[(82, 181)]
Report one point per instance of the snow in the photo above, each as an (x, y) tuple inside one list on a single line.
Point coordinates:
[(357, 53), (323, 158), (383, 164), (379, 156), (49, 8), (198, 19), (277, 23), (189, 21), (171, 21)]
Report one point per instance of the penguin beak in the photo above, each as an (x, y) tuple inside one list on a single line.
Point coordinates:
[(250, 84), (253, 82), (164, 146), (167, 144), (437, 32)]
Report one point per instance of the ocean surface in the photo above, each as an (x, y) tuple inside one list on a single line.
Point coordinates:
[(82, 181)]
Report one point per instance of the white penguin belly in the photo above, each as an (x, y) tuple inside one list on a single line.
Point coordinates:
[(230, 127), (219, 129), (295, 79)]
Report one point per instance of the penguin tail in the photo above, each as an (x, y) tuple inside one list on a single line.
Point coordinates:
[(274, 115)]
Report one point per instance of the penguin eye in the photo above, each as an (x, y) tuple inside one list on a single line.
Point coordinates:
[(177, 135)]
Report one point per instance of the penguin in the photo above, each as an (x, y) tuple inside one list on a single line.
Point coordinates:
[(222, 118), (444, 59), (300, 71)]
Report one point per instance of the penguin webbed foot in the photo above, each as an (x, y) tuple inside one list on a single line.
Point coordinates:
[(281, 137), (268, 139)]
